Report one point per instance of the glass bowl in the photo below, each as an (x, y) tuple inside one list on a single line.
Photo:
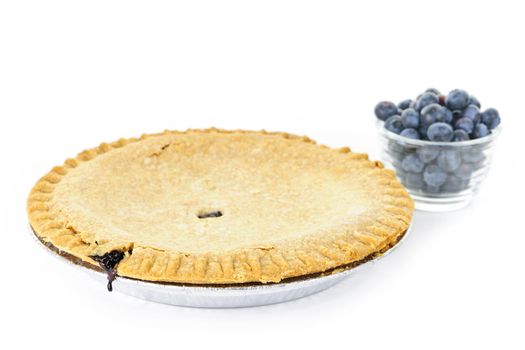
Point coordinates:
[(440, 176)]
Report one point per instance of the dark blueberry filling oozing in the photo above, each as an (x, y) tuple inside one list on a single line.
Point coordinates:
[(109, 262)]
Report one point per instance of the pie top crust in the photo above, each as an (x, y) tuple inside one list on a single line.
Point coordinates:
[(289, 207)]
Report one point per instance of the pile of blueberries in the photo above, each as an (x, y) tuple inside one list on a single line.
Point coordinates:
[(456, 117)]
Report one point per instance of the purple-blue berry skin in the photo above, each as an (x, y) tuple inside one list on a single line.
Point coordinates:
[(449, 116), (480, 130), (474, 101), (433, 113), (464, 171), (412, 163), (394, 124), (432, 189), (410, 133), (385, 109), (491, 118), (405, 104), (410, 118), (426, 99), (440, 132), (423, 129), (465, 124), (457, 99), (434, 176), (460, 135), (472, 113), (454, 184), (434, 91), (413, 181), (472, 155), (449, 160), (427, 154)]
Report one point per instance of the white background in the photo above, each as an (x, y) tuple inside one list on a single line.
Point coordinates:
[(76, 73)]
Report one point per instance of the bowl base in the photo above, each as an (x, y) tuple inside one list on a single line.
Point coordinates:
[(435, 204)]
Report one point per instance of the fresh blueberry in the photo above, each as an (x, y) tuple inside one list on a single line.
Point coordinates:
[(385, 109), (434, 176), (440, 132), (394, 124), (491, 118), (460, 135), (472, 113), (404, 104), (480, 130), (433, 113), (474, 101), (432, 189), (465, 124), (454, 184), (412, 164), (426, 99), (410, 118), (449, 160), (427, 154), (464, 171), (449, 116), (433, 90), (457, 99), (410, 133), (472, 155), (413, 181)]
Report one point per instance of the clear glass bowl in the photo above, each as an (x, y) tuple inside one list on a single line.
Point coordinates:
[(440, 176)]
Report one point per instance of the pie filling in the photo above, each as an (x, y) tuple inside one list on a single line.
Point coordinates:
[(109, 262)]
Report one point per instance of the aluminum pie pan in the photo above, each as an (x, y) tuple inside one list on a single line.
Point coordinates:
[(235, 296)]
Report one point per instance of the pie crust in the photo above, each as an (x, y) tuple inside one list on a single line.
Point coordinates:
[(288, 206)]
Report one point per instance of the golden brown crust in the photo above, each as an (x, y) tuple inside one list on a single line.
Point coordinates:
[(59, 217)]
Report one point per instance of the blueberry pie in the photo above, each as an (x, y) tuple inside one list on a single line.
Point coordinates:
[(219, 207)]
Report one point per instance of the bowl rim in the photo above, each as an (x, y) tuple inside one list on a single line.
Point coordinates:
[(492, 136)]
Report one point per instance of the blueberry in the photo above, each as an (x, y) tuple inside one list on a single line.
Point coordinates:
[(434, 91), (413, 181), (442, 99), (460, 135), (464, 171), (394, 124), (472, 113), (472, 155), (410, 133), (427, 154), (410, 118), (474, 101), (454, 184), (465, 124), (449, 116), (412, 164), (432, 189), (385, 109), (440, 132), (449, 160), (433, 113), (426, 99), (457, 99), (480, 130), (404, 104), (490, 118), (434, 176)]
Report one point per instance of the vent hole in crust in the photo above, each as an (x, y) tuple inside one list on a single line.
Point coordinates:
[(209, 214)]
